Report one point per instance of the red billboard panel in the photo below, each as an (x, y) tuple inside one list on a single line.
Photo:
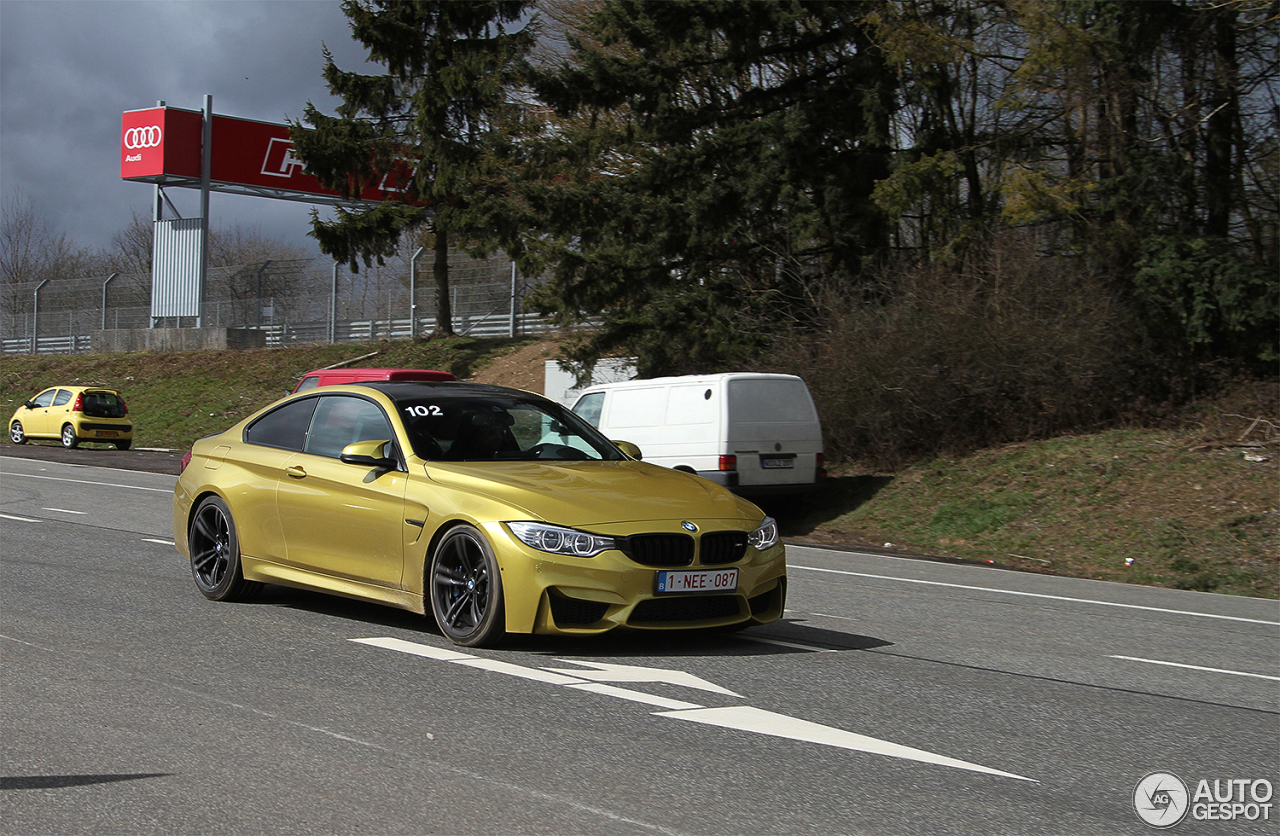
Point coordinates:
[(162, 145)]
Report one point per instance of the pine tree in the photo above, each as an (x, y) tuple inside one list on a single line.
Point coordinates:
[(716, 163), (445, 108)]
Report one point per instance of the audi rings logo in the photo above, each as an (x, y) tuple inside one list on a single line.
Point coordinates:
[(136, 138)]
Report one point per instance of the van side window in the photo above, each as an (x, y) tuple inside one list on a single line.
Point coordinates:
[(308, 383), (589, 406)]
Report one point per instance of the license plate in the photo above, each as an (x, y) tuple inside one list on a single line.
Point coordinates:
[(771, 462), (723, 580), (107, 433)]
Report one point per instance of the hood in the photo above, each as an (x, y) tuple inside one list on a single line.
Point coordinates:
[(594, 493)]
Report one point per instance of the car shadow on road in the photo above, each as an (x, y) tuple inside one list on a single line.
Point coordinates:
[(781, 637)]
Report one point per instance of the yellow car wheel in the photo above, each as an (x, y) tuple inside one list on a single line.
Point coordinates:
[(69, 439), (465, 586), (16, 434), (215, 554)]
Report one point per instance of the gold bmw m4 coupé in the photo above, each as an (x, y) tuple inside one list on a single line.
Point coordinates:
[(497, 511)]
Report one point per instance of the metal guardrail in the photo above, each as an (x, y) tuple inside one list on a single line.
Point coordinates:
[(307, 333)]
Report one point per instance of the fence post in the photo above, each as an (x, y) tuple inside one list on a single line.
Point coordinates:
[(333, 306), (35, 318), (413, 294), (512, 330), (104, 299), (262, 270)]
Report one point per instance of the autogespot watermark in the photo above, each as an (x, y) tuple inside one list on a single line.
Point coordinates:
[(1162, 799)]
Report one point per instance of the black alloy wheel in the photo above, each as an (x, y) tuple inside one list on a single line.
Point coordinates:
[(465, 586), (215, 553)]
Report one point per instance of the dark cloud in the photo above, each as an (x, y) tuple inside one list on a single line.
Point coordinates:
[(69, 69)]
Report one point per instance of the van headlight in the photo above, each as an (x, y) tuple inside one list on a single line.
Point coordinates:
[(766, 536), (556, 539)]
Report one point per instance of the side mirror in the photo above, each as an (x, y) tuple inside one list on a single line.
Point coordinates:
[(30, 404), (631, 451), (369, 454)]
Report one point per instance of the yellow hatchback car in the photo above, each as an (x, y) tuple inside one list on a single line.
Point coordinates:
[(497, 511), (74, 414)]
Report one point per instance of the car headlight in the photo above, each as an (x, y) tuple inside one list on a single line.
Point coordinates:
[(557, 539), (766, 536)]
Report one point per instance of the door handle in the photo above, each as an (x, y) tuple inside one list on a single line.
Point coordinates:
[(296, 471)]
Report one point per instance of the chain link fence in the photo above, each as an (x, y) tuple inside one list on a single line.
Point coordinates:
[(291, 302)]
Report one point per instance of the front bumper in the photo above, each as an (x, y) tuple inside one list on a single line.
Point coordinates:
[(554, 594)]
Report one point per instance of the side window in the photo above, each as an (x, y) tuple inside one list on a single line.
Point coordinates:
[(44, 398), (340, 420), (589, 406), (64, 395), (285, 427), (308, 383)]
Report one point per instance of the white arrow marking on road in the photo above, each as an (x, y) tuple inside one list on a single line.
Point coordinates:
[(609, 672), (742, 718), (746, 718)]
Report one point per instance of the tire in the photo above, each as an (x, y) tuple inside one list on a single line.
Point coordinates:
[(16, 434), (69, 439), (215, 553), (465, 586), (123, 445)]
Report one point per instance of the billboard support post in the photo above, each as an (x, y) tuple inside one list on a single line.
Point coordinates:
[(206, 176)]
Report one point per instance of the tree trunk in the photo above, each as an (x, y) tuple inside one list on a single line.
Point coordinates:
[(440, 269), (1220, 135)]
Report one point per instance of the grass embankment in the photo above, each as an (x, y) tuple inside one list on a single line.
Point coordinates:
[(1196, 506)]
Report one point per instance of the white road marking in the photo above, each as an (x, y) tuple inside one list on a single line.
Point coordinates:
[(634, 696), (86, 482), (415, 649), (496, 666), (1035, 595), (17, 519), (610, 672), (66, 511), (781, 643), (161, 542), (742, 718), (1196, 667), (746, 718)]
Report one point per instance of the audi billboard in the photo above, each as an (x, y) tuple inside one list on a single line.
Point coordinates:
[(162, 145)]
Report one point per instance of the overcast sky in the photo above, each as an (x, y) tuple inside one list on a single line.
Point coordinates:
[(70, 68)]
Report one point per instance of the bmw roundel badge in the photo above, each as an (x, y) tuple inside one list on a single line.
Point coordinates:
[(688, 526)]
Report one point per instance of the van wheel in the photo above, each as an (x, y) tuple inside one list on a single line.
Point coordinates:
[(69, 439)]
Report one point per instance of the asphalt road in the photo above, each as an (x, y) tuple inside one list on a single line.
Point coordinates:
[(897, 697)]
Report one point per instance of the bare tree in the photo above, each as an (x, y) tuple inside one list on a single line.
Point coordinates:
[(30, 251)]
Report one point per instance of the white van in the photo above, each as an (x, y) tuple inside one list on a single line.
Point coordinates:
[(752, 433)]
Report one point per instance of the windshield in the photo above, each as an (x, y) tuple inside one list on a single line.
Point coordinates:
[(470, 427)]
